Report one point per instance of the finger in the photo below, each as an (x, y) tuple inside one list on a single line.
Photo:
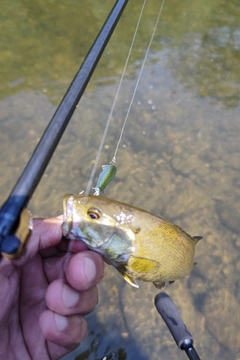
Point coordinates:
[(65, 246), (67, 331), (46, 233), (64, 300), (54, 267), (74, 268), (57, 266), (84, 270)]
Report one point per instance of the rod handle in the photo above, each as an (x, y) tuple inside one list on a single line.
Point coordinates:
[(172, 318), (174, 322)]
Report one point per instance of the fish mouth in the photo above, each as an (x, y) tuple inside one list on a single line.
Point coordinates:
[(71, 219)]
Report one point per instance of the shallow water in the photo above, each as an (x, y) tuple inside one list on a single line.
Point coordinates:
[(179, 156)]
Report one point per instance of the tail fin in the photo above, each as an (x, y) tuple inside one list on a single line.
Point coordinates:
[(197, 238)]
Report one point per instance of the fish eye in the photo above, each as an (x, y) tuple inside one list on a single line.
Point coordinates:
[(94, 213)]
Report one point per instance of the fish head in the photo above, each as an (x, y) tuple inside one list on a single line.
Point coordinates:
[(99, 223)]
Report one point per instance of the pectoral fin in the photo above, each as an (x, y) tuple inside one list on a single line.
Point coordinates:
[(142, 265), (129, 279)]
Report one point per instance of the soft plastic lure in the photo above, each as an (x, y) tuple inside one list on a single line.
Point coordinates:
[(108, 173)]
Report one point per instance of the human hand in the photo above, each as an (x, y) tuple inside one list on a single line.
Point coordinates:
[(44, 296)]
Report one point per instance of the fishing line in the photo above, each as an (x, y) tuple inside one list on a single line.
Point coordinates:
[(70, 245), (137, 83), (114, 103), (113, 161)]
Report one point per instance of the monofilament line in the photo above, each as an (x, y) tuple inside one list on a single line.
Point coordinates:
[(89, 185), (138, 80)]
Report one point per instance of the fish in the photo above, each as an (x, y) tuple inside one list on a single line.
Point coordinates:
[(139, 244), (108, 173)]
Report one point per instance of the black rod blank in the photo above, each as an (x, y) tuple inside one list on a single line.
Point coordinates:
[(174, 322), (27, 183)]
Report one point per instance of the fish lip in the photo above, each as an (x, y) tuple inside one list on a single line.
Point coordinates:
[(66, 224), (71, 221), (70, 218)]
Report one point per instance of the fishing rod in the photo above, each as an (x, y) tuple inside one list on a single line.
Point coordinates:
[(175, 324), (15, 222)]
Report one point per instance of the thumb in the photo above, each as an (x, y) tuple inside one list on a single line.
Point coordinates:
[(46, 233)]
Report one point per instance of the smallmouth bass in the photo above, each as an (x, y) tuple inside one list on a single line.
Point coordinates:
[(140, 245)]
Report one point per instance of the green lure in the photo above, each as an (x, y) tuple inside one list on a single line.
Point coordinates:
[(108, 173)]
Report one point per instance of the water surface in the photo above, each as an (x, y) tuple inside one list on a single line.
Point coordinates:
[(179, 156)]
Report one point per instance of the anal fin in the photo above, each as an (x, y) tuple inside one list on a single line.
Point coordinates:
[(159, 284)]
